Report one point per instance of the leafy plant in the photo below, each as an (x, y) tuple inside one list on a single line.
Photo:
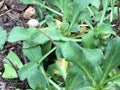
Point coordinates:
[(94, 65), (88, 65)]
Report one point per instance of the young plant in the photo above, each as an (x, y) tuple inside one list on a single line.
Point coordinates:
[(93, 66)]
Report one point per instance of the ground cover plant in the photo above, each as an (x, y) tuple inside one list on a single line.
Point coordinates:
[(74, 47)]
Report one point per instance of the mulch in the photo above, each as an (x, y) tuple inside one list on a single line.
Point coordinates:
[(11, 15)]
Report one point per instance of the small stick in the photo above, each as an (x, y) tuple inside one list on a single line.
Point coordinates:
[(6, 12), (47, 36)]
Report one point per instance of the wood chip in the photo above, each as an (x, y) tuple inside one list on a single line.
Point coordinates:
[(1, 3), (30, 11)]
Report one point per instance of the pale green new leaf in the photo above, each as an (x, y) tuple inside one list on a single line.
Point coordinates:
[(9, 72), (12, 58), (3, 37)]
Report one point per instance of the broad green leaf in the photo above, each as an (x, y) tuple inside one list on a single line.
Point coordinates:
[(9, 72), (111, 59), (88, 40), (3, 37), (33, 53), (36, 79), (76, 79), (18, 33), (26, 69), (12, 58), (54, 34), (81, 57)]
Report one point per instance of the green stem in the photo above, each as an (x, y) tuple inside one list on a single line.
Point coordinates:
[(113, 77), (47, 55), (43, 72), (81, 66), (90, 11), (54, 84), (73, 21), (104, 10), (50, 9)]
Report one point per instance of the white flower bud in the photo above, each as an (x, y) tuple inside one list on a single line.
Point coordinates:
[(33, 23)]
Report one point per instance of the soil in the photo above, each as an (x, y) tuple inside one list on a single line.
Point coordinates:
[(11, 15)]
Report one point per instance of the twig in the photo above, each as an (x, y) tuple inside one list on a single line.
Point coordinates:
[(47, 36), (6, 12)]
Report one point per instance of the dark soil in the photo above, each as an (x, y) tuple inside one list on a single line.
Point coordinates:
[(11, 15)]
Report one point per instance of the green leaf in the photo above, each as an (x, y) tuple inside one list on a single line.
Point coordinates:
[(9, 72), (95, 3), (111, 59), (26, 69), (50, 20), (104, 28), (54, 34), (112, 54), (3, 37), (64, 5), (78, 55), (76, 79), (18, 33), (46, 47), (33, 53), (13, 58), (36, 79), (82, 58), (30, 1), (88, 40), (98, 73)]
